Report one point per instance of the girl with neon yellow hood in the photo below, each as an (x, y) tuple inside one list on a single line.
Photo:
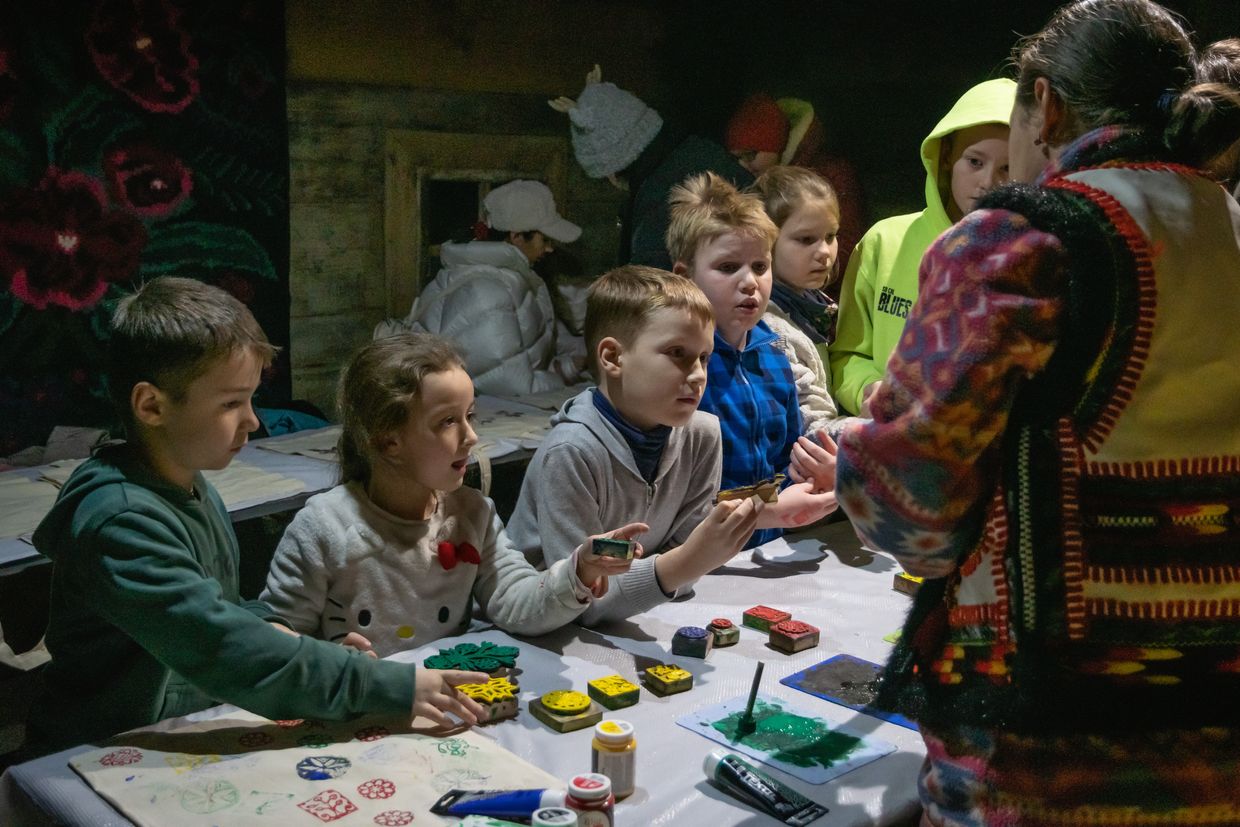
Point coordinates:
[(962, 158)]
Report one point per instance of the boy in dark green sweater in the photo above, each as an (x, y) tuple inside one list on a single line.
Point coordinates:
[(146, 621)]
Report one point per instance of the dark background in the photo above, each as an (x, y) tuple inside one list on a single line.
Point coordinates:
[(880, 74)]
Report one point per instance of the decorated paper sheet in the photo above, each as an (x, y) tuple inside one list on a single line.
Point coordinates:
[(319, 443), (798, 742), (26, 502), (245, 770), (504, 421), (551, 400), (239, 483)]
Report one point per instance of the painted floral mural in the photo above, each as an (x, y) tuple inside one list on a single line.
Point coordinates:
[(138, 138)]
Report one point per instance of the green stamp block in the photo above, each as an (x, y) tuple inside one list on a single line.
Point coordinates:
[(725, 632), (611, 547), (487, 657)]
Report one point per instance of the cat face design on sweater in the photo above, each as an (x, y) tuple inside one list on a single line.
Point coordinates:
[(420, 593)]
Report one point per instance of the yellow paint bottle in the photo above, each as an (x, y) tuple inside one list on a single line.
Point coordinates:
[(613, 753)]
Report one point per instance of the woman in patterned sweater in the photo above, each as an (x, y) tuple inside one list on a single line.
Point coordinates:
[(1056, 448)]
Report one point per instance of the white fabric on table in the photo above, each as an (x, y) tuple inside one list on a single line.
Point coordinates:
[(833, 584)]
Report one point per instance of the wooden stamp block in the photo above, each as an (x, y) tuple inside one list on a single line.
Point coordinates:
[(667, 679), (487, 657), (763, 618), (613, 691), (692, 642), (610, 547), (497, 696), (565, 710), (766, 490), (724, 631), (907, 583), (793, 636)]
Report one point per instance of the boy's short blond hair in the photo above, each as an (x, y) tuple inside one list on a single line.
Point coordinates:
[(620, 303), (707, 206), (170, 332)]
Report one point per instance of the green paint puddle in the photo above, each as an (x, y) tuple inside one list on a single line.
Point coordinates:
[(793, 739)]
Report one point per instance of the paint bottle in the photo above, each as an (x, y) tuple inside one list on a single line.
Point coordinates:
[(554, 817), (589, 794), (613, 752)]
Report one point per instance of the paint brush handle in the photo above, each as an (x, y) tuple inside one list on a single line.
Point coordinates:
[(746, 723)]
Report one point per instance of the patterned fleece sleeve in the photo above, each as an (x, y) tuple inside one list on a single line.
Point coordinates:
[(915, 479)]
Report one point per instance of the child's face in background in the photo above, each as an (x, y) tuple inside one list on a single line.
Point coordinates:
[(807, 246), (734, 271), (432, 448), (534, 247), (208, 427), (978, 163), (662, 372)]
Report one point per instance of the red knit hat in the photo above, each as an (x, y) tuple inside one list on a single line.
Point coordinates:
[(758, 124)]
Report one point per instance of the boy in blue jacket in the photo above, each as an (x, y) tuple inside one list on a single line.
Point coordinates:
[(146, 621), (722, 240)]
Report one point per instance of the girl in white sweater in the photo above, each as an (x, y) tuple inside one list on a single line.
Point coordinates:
[(397, 551)]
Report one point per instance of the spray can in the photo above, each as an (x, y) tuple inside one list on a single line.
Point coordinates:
[(589, 794), (613, 753)]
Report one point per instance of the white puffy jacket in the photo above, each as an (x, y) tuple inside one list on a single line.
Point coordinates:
[(497, 311)]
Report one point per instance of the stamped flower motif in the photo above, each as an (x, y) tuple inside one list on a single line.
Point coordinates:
[(59, 247), (376, 788), (255, 739), (146, 180), (372, 733), (323, 767), (394, 818), (139, 48), (122, 757)]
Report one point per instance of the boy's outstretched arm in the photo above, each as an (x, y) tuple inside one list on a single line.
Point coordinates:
[(715, 541), (137, 574), (798, 506)]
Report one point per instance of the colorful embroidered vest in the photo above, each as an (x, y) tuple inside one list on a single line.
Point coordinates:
[(1104, 592)]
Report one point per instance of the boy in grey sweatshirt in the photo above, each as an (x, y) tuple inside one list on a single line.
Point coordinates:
[(636, 448)]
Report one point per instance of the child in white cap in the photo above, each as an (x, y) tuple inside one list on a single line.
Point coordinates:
[(489, 301)]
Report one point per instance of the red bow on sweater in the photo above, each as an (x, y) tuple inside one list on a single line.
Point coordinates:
[(450, 554)]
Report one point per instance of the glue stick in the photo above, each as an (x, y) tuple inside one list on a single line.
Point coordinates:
[(613, 752)]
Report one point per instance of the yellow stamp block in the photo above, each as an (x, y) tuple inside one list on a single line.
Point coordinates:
[(493, 691), (613, 691), (668, 679), (566, 701)]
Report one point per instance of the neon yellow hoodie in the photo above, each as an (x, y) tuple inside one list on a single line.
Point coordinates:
[(880, 284)]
